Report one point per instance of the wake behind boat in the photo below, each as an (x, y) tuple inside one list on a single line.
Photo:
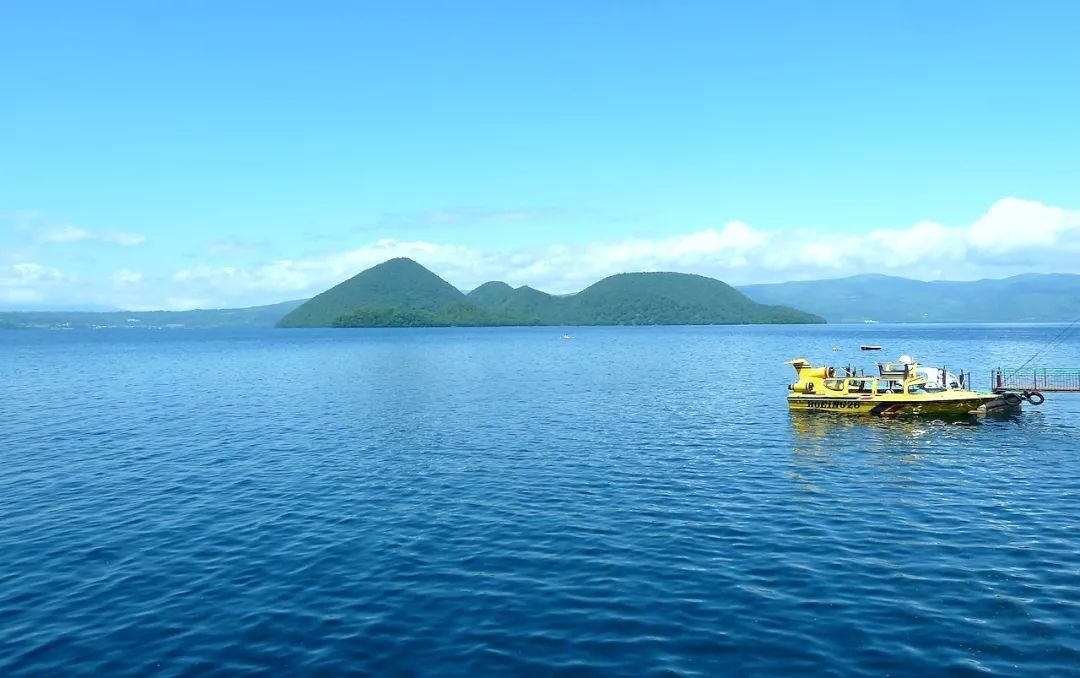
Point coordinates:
[(898, 389)]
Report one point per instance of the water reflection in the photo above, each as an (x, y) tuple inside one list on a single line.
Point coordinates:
[(817, 425), (825, 437)]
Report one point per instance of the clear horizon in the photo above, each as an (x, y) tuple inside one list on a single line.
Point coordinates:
[(205, 156)]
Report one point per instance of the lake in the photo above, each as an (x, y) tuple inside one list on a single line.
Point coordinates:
[(491, 501)]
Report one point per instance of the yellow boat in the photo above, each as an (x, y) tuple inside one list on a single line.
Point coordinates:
[(898, 389)]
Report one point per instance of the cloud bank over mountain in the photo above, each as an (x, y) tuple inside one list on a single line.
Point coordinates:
[(1013, 236)]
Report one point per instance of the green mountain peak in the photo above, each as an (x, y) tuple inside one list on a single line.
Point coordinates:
[(673, 299), (395, 284), (490, 294)]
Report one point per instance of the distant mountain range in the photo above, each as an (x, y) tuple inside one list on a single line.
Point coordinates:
[(1024, 298), (402, 293), (256, 316)]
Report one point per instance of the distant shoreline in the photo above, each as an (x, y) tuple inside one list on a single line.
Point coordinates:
[(879, 298), (4, 327)]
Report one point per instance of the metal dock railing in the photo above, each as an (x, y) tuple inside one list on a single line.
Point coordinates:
[(1048, 379)]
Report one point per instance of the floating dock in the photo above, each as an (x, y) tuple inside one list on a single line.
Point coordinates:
[(1045, 379)]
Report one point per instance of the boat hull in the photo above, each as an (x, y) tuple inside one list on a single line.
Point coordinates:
[(885, 406)]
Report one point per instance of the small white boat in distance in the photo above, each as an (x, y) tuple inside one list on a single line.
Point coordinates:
[(566, 336)]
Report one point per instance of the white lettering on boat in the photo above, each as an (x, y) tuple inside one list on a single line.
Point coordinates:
[(832, 404)]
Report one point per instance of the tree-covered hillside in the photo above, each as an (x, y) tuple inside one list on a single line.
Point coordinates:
[(638, 299), (402, 293), (672, 298), (629, 298), (524, 302), (458, 314), (394, 284), (490, 294)]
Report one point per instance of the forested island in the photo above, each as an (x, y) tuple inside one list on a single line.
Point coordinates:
[(402, 293)]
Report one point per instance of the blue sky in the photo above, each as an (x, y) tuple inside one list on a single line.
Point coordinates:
[(207, 153)]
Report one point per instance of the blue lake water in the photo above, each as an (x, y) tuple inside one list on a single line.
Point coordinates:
[(491, 501)]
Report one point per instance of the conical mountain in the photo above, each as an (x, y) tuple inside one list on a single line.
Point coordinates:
[(395, 284), (490, 294)]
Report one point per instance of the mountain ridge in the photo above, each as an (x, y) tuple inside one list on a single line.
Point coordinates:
[(1028, 297), (401, 292), (253, 316)]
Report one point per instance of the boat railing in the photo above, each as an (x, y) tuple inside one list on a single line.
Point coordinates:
[(1050, 379)]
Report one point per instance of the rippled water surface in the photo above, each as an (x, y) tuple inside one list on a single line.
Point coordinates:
[(491, 501)]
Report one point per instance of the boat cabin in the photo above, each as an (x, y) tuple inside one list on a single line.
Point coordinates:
[(873, 386), (936, 378), (901, 378)]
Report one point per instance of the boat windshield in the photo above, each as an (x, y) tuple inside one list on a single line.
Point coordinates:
[(918, 389), (889, 386), (859, 386), (834, 384)]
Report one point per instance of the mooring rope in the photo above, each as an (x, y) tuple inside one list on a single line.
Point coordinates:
[(1053, 342)]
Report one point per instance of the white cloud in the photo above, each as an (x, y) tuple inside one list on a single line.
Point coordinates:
[(1013, 224), (1013, 236), (30, 282), (232, 247), (65, 234), (460, 217), (30, 272), (736, 252), (302, 276), (182, 304), (72, 234), (122, 239), (126, 277)]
